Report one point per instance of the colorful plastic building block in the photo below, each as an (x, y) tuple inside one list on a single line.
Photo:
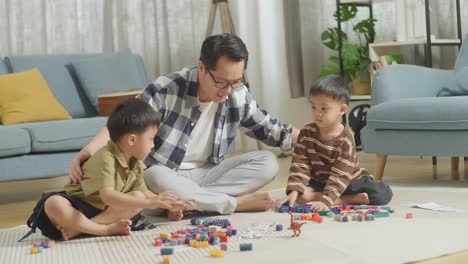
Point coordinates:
[(303, 209), (157, 242), (217, 253), (166, 259), (223, 246), (409, 216), (245, 247), (279, 227), (167, 251), (34, 250), (163, 235)]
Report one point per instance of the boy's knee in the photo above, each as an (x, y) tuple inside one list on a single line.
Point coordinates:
[(54, 204)]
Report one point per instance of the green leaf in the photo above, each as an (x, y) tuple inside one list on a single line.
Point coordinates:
[(347, 12), (329, 68), (365, 27), (351, 54), (330, 38)]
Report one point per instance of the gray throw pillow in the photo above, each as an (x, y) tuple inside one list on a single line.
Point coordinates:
[(108, 73)]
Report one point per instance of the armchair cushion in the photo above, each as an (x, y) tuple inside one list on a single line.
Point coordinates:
[(426, 113)]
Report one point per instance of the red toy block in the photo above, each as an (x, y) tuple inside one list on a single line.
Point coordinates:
[(224, 239), (157, 242), (409, 216)]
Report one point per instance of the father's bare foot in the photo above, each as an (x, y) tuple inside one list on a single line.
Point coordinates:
[(67, 234), (356, 199), (257, 201), (121, 227), (175, 216)]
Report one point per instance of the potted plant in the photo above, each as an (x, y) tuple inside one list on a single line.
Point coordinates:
[(355, 56)]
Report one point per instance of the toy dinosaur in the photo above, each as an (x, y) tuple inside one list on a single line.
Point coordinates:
[(295, 226)]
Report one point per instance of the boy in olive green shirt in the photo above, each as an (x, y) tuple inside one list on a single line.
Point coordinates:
[(113, 190)]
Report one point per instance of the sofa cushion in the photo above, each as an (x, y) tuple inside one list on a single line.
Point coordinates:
[(14, 141), (108, 73), (3, 68), (26, 97), (427, 113), (64, 135), (56, 72)]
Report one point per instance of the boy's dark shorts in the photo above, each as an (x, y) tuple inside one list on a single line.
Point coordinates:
[(47, 228), (379, 193)]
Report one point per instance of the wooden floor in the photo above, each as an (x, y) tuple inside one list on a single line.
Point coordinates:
[(18, 198)]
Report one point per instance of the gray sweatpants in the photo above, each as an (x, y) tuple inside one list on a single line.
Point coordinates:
[(214, 187)]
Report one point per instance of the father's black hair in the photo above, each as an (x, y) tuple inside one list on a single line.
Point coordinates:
[(131, 116), (332, 85), (226, 44)]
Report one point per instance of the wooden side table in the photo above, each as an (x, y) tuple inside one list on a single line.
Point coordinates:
[(108, 102)]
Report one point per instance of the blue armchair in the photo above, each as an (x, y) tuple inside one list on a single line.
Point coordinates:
[(418, 111)]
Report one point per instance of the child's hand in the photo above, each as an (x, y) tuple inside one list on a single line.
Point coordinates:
[(318, 206), (163, 200), (290, 199), (168, 196), (181, 205)]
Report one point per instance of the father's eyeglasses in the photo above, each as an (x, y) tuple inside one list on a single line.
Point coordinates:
[(224, 84)]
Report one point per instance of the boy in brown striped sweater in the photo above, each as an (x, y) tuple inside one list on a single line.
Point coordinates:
[(324, 169)]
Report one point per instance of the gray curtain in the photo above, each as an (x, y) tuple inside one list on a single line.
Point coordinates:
[(166, 33), (305, 21)]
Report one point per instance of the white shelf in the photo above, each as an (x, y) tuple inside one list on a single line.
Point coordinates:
[(445, 41), (360, 97), (378, 49), (355, 1)]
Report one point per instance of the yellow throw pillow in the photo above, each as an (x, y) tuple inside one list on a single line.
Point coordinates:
[(26, 97)]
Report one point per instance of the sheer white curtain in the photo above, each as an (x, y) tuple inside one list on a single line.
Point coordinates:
[(166, 33)]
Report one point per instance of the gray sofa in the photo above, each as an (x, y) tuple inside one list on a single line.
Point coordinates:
[(44, 149)]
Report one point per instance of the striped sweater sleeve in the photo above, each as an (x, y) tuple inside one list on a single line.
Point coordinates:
[(341, 172), (300, 170)]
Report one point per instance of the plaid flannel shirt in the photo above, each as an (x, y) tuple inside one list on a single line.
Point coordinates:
[(174, 97)]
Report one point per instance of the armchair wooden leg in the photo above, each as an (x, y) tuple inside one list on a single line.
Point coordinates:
[(380, 166), (434, 167), (455, 173), (465, 161)]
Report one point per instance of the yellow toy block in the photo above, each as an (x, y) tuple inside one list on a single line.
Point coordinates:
[(166, 259), (217, 253)]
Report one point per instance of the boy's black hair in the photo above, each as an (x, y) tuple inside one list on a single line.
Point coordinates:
[(131, 116), (225, 44), (332, 85)]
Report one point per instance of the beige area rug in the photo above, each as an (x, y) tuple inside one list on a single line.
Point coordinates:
[(387, 240)]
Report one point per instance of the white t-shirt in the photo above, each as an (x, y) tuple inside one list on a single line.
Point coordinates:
[(200, 144)]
